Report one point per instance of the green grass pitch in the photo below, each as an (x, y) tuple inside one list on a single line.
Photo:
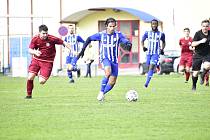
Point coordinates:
[(167, 110)]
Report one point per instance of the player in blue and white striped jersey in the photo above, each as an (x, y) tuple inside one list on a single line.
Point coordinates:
[(74, 40), (109, 41), (155, 47)]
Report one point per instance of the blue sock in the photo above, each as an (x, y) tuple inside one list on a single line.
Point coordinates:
[(107, 88), (74, 68), (69, 73), (104, 83), (149, 76)]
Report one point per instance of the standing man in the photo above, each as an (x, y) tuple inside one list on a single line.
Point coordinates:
[(42, 49), (109, 41), (186, 54), (201, 42), (89, 59), (155, 47), (74, 40)]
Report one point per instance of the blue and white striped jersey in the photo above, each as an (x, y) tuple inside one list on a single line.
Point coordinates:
[(154, 39), (109, 44), (74, 40)]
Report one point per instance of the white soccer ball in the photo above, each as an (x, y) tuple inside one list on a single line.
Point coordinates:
[(132, 95)]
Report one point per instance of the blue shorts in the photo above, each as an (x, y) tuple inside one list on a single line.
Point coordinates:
[(68, 59), (152, 59), (114, 66)]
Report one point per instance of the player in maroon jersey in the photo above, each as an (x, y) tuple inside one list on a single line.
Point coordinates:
[(186, 54), (42, 48)]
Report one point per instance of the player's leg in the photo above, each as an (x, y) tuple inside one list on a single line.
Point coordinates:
[(107, 70), (207, 79), (187, 69), (153, 63), (30, 84), (197, 61), (112, 78), (206, 68), (33, 71), (91, 61), (187, 74), (88, 69), (45, 72), (69, 69), (182, 65)]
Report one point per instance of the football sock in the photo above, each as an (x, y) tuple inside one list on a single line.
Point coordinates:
[(69, 73), (107, 88), (203, 74), (187, 76), (194, 80), (30, 86), (207, 77), (104, 83), (149, 76)]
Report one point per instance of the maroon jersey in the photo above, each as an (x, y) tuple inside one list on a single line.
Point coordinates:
[(185, 44), (47, 47)]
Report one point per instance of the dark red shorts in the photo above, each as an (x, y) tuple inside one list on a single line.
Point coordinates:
[(186, 61), (42, 68)]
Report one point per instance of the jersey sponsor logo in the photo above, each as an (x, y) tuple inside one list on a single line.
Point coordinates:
[(47, 44)]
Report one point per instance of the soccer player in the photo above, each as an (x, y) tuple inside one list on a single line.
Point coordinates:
[(74, 40), (42, 49), (186, 54), (109, 41), (155, 47), (201, 42)]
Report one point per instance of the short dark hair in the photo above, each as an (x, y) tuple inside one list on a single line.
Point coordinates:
[(43, 28), (155, 20), (109, 20), (205, 21), (187, 29)]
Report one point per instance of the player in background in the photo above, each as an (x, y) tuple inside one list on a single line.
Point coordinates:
[(186, 54), (155, 47), (201, 42), (74, 40), (42, 49), (109, 41)]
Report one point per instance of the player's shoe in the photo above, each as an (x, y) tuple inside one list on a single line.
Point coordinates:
[(78, 73), (202, 76), (28, 97), (193, 88), (145, 85), (202, 80), (71, 81), (101, 96), (186, 82), (207, 84)]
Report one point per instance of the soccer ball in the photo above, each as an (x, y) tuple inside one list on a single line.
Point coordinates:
[(132, 95)]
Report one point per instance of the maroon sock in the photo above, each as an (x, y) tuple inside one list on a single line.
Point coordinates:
[(187, 75), (207, 77), (30, 86)]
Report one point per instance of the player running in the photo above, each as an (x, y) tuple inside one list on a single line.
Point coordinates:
[(42, 49), (186, 54), (74, 40), (155, 47), (109, 41)]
